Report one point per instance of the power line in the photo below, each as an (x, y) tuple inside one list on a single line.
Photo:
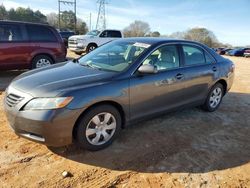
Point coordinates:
[(67, 3)]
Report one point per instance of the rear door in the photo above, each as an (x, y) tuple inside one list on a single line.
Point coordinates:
[(13, 46), (200, 71), (44, 41)]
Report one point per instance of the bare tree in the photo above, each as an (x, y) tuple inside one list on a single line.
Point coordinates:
[(137, 29), (52, 19), (202, 35), (177, 35)]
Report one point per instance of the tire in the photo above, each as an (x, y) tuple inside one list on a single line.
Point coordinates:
[(41, 61), (91, 47), (91, 136), (214, 98)]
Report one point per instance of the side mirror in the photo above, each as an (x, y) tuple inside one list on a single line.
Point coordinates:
[(147, 69)]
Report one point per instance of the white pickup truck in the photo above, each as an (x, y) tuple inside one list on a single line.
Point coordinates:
[(93, 39)]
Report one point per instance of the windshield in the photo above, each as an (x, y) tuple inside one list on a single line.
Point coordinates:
[(114, 56), (93, 33)]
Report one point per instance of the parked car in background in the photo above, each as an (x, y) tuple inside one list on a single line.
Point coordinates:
[(238, 51), (65, 36), (224, 51), (29, 46), (227, 51), (219, 49), (247, 53), (92, 40), (92, 98)]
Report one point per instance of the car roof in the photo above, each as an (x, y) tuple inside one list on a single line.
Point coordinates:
[(66, 32), (155, 40), (160, 40), (21, 22)]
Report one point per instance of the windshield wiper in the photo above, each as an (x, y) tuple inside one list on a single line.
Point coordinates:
[(91, 66)]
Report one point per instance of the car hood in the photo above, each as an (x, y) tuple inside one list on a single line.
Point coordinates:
[(75, 37), (51, 81)]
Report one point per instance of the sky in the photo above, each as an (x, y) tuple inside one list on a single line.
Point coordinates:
[(228, 19)]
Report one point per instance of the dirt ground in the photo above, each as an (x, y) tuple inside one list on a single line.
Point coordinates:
[(189, 148)]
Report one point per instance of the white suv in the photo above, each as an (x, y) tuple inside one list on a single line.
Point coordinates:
[(93, 39)]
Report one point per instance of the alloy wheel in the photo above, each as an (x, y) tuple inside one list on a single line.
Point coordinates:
[(42, 63), (215, 97)]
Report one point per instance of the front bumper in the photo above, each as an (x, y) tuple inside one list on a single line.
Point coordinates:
[(247, 54), (49, 127), (77, 48)]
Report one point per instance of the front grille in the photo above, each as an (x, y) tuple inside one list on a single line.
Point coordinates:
[(12, 100), (72, 42)]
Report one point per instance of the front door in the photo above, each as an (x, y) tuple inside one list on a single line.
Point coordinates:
[(152, 93)]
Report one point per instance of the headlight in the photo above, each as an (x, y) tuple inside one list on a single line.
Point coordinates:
[(48, 103), (80, 42)]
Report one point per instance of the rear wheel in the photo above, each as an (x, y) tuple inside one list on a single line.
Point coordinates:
[(98, 127), (41, 61), (214, 98)]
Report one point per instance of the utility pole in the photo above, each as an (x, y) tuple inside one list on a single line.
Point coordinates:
[(90, 27), (70, 3), (101, 18)]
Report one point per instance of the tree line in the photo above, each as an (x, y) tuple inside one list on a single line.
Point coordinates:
[(135, 29), (202, 35), (28, 15)]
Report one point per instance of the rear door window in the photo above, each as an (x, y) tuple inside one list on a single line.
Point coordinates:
[(10, 33), (114, 34), (209, 59), (193, 55), (40, 34)]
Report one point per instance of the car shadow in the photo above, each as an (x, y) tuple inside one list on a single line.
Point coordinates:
[(7, 76), (190, 140)]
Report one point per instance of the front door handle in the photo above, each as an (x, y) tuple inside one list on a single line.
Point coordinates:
[(179, 76)]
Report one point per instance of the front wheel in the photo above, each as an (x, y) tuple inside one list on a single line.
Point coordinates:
[(214, 98), (91, 47), (98, 127)]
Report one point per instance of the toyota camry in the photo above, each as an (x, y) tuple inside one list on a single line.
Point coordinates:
[(91, 99)]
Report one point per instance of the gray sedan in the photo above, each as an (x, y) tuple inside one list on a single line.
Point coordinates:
[(90, 99)]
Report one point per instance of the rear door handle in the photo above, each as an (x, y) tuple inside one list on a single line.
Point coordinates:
[(214, 69), (179, 76)]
